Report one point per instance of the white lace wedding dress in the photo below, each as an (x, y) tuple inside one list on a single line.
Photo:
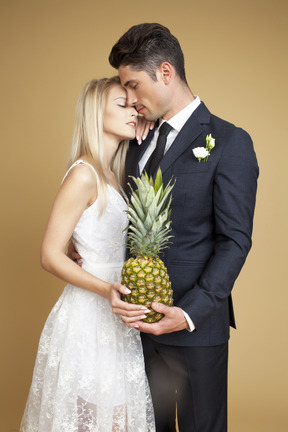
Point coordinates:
[(89, 373)]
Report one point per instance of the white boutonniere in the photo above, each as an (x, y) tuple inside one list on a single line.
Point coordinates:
[(202, 153)]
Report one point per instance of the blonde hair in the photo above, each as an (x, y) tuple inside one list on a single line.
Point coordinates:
[(88, 134)]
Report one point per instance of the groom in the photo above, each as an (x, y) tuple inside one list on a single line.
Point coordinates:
[(212, 213)]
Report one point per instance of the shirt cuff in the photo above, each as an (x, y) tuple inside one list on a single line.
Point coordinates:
[(189, 321)]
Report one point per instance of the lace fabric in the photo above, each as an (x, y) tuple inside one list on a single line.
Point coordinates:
[(89, 373)]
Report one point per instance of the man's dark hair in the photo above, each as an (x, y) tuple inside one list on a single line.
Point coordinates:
[(145, 47)]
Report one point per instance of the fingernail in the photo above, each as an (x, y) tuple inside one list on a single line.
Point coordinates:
[(151, 127), (144, 137), (143, 316), (137, 137), (127, 291)]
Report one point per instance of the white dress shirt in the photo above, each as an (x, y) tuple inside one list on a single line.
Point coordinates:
[(177, 122)]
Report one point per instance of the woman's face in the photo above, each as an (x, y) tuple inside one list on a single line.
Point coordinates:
[(119, 120)]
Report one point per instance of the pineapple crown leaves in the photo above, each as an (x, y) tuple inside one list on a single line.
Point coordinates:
[(149, 214)]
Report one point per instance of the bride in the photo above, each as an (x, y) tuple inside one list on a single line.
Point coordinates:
[(89, 373)]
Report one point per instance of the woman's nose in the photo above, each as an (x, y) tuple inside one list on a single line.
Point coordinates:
[(134, 113)]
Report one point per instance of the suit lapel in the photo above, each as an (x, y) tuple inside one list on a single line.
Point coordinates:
[(189, 133)]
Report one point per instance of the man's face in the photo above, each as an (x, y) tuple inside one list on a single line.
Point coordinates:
[(150, 98)]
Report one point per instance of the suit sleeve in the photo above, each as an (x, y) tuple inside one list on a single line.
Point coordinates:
[(234, 193)]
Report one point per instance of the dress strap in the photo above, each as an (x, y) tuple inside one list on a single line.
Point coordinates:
[(77, 163), (125, 197)]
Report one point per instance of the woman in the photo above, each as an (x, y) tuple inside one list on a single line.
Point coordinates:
[(89, 372)]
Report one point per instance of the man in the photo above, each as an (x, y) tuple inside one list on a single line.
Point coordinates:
[(212, 213)]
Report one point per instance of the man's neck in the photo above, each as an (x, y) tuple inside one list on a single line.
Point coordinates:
[(180, 98)]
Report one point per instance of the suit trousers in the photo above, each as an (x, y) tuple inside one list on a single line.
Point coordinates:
[(193, 379)]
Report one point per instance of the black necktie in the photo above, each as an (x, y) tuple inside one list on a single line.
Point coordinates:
[(157, 155)]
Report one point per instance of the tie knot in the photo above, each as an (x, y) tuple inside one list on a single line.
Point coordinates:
[(165, 129)]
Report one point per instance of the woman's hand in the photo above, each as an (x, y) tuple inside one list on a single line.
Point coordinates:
[(129, 313), (143, 127)]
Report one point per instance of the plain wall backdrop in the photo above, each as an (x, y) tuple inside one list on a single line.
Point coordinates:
[(236, 61)]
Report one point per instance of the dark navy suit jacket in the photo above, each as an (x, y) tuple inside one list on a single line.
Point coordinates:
[(212, 216)]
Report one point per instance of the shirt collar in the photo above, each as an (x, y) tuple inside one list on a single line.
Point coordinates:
[(178, 121)]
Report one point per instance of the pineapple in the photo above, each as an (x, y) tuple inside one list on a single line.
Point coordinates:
[(145, 274)]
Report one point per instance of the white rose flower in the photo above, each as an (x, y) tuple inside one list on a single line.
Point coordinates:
[(200, 153)]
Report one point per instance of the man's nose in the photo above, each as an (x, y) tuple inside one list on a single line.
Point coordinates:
[(131, 98)]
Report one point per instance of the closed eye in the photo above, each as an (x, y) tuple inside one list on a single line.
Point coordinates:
[(133, 85)]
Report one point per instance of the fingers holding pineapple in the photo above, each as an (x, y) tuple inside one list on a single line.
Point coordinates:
[(126, 311), (133, 318), (172, 321)]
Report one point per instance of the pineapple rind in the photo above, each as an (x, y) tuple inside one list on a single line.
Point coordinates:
[(148, 282)]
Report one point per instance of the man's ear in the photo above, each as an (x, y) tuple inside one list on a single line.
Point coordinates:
[(166, 71)]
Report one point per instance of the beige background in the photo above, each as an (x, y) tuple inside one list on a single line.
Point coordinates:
[(236, 61)]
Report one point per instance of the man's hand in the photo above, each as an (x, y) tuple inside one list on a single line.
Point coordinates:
[(173, 320), (73, 254)]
